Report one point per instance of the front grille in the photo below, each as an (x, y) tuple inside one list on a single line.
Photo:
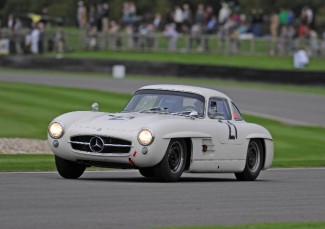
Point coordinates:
[(106, 145)]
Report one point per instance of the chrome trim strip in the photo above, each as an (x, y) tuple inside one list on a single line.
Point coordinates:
[(80, 143), (113, 145), (102, 154)]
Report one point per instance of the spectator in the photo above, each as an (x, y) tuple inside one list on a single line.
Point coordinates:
[(212, 25), (105, 18), (234, 41), (99, 16), (289, 40), (178, 18), (314, 46), (35, 39), (17, 24), (274, 28), (11, 22), (157, 22), (291, 17), (309, 16), (81, 15), (92, 43), (28, 43), (208, 14), (41, 35), (257, 19), (132, 10), (131, 40), (59, 41), (303, 31), (195, 37), (300, 58), (285, 44), (224, 13), (172, 35), (199, 15), (274, 24), (129, 13), (114, 35), (92, 15), (187, 16), (283, 16)]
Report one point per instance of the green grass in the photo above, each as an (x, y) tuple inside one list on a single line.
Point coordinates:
[(26, 111), (295, 146), (260, 62), (299, 225), (24, 162)]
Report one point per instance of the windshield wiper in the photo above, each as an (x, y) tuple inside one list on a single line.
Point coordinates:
[(155, 110), (182, 113)]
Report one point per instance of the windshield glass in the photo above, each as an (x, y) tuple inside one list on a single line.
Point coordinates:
[(166, 101)]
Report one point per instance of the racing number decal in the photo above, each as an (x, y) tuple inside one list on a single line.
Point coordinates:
[(120, 117), (232, 137)]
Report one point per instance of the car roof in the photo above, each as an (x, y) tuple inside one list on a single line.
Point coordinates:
[(206, 92)]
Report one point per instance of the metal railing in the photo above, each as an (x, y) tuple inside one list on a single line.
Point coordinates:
[(81, 40)]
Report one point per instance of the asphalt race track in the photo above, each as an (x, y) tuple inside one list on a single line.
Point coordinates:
[(292, 108), (124, 199)]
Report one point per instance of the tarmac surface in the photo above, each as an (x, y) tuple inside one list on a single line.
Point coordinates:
[(124, 199), (288, 107)]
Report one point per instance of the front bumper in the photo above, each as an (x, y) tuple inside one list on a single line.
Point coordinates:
[(136, 157)]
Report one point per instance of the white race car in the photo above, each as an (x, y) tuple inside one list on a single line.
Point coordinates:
[(163, 131)]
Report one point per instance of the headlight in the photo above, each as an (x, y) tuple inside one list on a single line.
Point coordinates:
[(145, 137), (56, 130)]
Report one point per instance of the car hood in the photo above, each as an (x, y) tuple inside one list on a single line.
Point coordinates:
[(120, 121)]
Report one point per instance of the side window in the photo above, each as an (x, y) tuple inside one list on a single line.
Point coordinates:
[(236, 113), (219, 107)]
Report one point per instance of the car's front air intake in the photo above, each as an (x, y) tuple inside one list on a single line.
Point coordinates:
[(100, 144)]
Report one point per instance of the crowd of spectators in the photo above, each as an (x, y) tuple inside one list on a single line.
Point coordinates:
[(30, 42), (283, 26), (197, 22)]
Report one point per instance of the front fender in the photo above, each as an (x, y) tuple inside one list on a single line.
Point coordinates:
[(259, 135)]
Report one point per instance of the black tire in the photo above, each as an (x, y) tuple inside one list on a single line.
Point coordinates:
[(172, 165), (147, 172), (69, 169), (254, 161)]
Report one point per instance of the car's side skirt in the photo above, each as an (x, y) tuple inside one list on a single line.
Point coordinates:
[(217, 166)]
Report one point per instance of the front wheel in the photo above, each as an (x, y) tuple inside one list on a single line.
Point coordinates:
[(69, 169), (254, 162), (172, 165)]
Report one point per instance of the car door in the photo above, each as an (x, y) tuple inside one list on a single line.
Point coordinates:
[(224, 129)]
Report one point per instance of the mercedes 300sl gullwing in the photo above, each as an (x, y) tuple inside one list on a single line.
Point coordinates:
[(163, 131)]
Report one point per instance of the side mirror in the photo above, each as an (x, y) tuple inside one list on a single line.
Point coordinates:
[(213, 114), (95, 107), (194, 114)]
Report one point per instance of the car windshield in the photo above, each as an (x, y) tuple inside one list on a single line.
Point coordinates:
[(166, 101)]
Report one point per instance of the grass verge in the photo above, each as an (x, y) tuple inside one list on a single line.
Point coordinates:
[(26, 163), (28, 109), (299, 225), (294, 146)]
